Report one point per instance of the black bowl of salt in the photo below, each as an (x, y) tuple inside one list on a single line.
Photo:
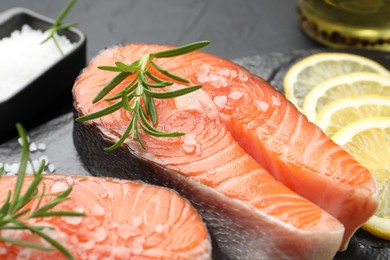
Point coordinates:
[(36, 79)]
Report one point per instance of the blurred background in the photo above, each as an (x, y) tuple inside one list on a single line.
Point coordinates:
[(237, 28)]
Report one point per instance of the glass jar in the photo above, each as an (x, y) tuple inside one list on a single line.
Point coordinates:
[(347, 23)]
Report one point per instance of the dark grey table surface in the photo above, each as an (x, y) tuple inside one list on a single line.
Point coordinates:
[(237, 28)]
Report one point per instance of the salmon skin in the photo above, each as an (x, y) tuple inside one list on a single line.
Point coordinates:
[(244, 144), (124, 220)]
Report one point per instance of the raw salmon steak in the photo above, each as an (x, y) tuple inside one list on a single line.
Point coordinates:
[(124, 220), (246, 156)]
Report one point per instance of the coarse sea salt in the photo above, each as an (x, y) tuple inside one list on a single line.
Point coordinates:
[(12, 169), (23, 58)]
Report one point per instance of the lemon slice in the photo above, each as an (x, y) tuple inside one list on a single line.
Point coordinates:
[(353, 84), (316, 68), (368, 141), (344, 111), (379, 224)]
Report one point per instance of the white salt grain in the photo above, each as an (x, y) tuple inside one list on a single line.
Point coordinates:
[(98, 210), (220, 101), (14, 168), (41, 146), (88, 245), (59, 186), (7, 167), (275, 101), (33, 147), (137, 221), (24, 254), (189, 139), (159, 228), (23, 58), (121, 252), (51, 168), (75, 220), (138, 245), (29, 168), (126, 231), (36, 164), (235, 95), (263, 106), (100, 234)]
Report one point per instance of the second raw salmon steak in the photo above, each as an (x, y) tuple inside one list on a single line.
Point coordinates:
[(123, 220)]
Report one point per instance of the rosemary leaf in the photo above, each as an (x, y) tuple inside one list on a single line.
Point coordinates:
[(111, 85), (51, 241), (26, 244), (161, 134), (65, 193), (44, 211), (22, 167), (181, 50), (41, 196), (40, 167), (125, 101), (125, 68), (49, 205), (105, 111), (139, 138), (147, 127), (4, 208), (154, 77), (59, 214), (151, 109), (124, 136), (56, 27), (66, 26), (174, 93), (20, 213), (128, 89), (160, 83), (32, 189), (13, 227), (168, 74), (64, 12), (110, 68), (50, 36)]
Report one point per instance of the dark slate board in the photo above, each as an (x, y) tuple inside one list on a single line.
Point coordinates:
[(57, 135)]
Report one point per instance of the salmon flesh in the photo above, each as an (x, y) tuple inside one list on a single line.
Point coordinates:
[(268, 182)]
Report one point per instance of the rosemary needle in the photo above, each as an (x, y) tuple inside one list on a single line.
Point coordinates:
[(143, 114), (57, 26), (14, 212)]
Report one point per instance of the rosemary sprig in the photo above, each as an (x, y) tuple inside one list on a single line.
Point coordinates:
[(138, 97), (57, 26), (14, 212)]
